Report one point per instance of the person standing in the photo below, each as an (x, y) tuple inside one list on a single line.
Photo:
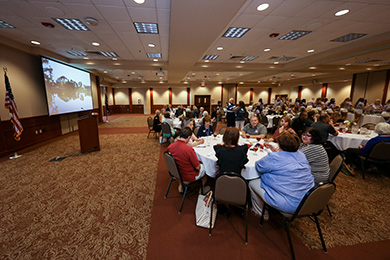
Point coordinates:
[(230, 115), (240, 115)]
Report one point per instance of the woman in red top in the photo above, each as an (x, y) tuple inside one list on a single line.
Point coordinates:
[(284, 125)]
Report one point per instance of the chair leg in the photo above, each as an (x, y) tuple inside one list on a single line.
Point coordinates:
[(246, 224), (363, 171), (289, 240), (148, 133), (182, 200), (330, 213), (320, 233), (262, 215), (211, 215), (169, 186)]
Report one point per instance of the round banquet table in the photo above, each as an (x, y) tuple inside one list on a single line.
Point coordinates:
[(270, 119), (343, 141), (375, 119), (206, 155)]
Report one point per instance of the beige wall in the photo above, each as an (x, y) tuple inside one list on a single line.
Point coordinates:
[(339, 91), (376, 83), (179, 96), (138, 93), (26, 79), (121, 96), (261, 92), (160, 96), (243, 94)]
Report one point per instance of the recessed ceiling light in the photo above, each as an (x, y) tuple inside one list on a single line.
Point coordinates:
[(220, 82), (368, 68), (240, 74), (267, 49), (313, 75), (161, 82), (271, 67), (96, 44), (341, 12), (239, 67), (6, 25), (262, 7), (242, 61), (85, 58), (132, 72), (234, 32), (151, 45), (114, 58), (220, 48), (293, 35), (117, 64), (153, 55), (310, 50), (341, 68), (312, 68), (185, 82), (148, 28), (205, 66), (217, 74), (35, 42), (140, 2), (90, 63), (71, 24), (155, 59), (276, 62), (207, 61), (105, 71), (241, 82), (376, 65), (348, 64)]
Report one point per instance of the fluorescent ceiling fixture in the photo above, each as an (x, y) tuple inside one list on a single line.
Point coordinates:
[(234, 32), (96, 44), (310, 50), (210, 57), (267, 49), (249, 58), (71, 24), (262, 7), (342, 12), (155, 59), (6, 25), (286, 58), (151, 45), (349, 37), (35, 42), (220, 48), (140, 2), (108, 53), (77, 53), (153, 55), (293, 35), (366, 61), (151, 28)]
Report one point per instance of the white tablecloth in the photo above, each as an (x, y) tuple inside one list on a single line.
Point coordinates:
[(270, 119), (345, 141), (206, 154), (176, 123), (350, 117), (365, 119)]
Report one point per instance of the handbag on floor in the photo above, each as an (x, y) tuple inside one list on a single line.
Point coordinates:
[(203, 210)]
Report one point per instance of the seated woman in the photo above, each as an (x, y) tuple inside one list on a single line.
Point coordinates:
[(194, 141), (206, 129), (157, 122), (231, 156), (315, 154), (285, 177), (167, 119), (284, 125), (383, 131)]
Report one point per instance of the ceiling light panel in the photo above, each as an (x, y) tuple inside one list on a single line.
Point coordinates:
[(366, 61), (210, 57), (234, 32), (293, 35), (154, 55), (249, 58), (286, 58), (77, 53), (71, 24), (349, 37), (109, 54), (6, 25), (148, 28)]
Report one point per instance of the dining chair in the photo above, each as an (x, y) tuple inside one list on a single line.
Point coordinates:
[(310, 206), (166, 131), (379, 154), (150, 126), (222, 130), (215, 125), (335, 167), (175, 174), (231, 189), (196, 130)]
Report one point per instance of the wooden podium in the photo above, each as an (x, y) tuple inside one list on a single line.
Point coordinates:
[(88, 133)]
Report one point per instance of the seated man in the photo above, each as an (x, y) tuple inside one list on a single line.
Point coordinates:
[(254, 129), (187, 161), (325, 126), (301, 123)]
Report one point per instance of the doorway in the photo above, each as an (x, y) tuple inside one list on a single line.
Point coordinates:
[(203, 101)]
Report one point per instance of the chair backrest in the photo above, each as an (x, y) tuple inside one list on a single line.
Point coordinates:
[(166, 129), (172, 165), (315, 200), (215, 125), (264, 120), (222, 130), (275, 121), (196, 130), (231, 189), (150, 121), (380, 151), (335, 167)]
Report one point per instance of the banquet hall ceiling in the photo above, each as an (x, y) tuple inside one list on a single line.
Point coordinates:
[(190, 29)]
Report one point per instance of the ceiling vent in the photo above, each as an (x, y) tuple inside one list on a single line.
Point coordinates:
[(236, 57), (367, 61), (273, 58)]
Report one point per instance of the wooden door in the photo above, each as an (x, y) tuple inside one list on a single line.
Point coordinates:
[(203, 101)]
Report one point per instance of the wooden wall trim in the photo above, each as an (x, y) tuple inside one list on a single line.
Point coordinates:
[(250, 95), (235, 93), (269, 95), (113, 96), (188, 96), (99, 94), (353, 86), (151, 100), (324, 90), (300, 92), (170, 96), (386, 88), (222, 95), (131, 100)]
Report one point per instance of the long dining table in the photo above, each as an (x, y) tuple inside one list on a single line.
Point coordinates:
[(206, 155), (343, 141)]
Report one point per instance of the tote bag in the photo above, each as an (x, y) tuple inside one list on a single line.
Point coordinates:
[(203, 211)]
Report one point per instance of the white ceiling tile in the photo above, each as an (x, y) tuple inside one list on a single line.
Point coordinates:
[(163, 16), (163, 29), (163, 4), (247, 20), (251, 8), (81, 11), (352, 7), (147, 15), (147, 4), (110, 2), (113, 13), (290, 7), (271, 22), (123, 27), (317, 8)]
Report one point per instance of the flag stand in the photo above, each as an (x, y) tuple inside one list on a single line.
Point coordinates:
[(16, 156)]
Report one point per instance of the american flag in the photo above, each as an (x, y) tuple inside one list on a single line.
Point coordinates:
[(106, 102), (13, 111)]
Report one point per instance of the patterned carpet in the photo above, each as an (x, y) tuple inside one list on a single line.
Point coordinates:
[(93, 206), (126, 120)]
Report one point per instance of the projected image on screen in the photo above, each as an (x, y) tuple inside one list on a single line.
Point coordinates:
[(67, 89)]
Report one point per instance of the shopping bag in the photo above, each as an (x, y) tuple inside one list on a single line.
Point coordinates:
[(203, 210)]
